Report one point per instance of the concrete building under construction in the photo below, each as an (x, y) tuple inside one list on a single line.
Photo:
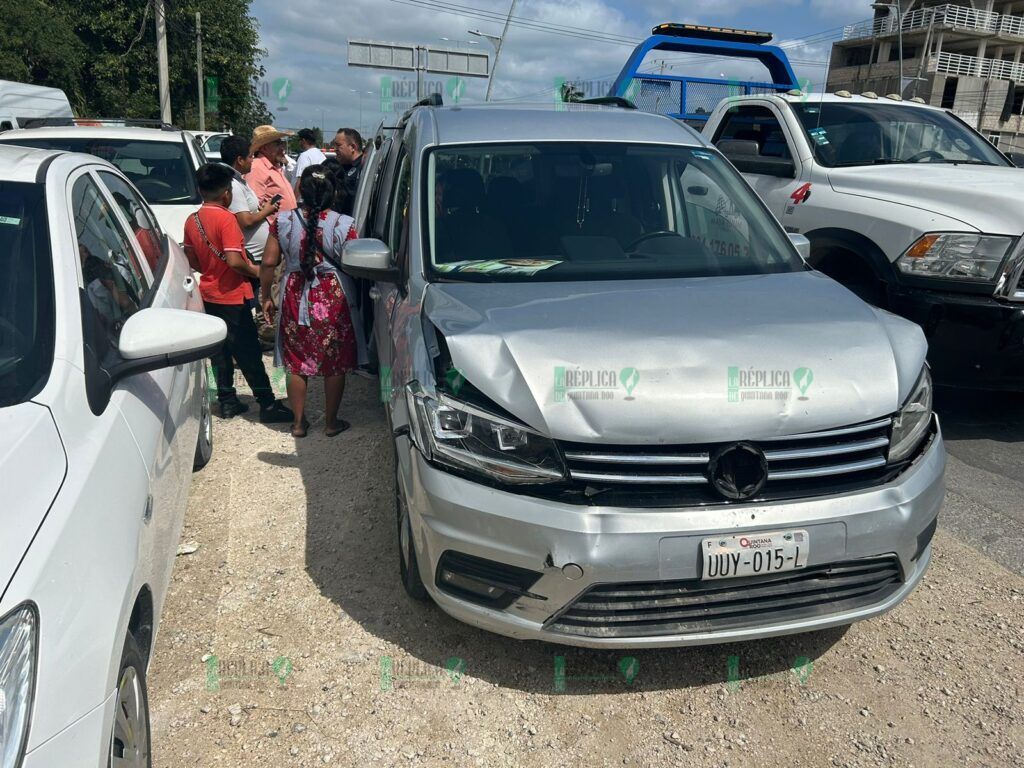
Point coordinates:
[(968, 58)]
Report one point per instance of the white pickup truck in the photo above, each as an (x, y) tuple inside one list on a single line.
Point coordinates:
[(904, 204)]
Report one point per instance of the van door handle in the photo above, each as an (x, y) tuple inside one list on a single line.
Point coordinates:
[(375, 293), (189, 284)]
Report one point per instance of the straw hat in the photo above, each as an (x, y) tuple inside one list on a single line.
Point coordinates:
[(264, 134)]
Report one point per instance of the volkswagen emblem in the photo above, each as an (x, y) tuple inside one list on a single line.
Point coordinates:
[(738, 471)]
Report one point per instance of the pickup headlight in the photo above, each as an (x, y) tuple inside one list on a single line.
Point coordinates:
[(912, 422), (453, 432), (18, 630), (956, 256)]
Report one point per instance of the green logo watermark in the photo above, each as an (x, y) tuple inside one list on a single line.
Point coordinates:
[(627, 670), (751, 384), (414, 672), (239, 672), (801, 669), (594, 383)]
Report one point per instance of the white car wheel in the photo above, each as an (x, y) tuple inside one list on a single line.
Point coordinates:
[(129, 742), (204, 444)]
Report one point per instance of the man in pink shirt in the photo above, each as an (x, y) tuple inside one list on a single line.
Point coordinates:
[(267, 179)]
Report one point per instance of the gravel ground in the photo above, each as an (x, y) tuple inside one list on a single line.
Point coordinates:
[(287, 641)]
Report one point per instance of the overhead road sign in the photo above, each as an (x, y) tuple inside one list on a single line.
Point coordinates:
[(412, 57)]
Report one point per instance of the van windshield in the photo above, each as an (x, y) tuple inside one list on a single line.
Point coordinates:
[(160, 169), (26, 293), (595, 211), (879, 133)]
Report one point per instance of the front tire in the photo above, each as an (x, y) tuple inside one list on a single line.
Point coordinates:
[(130, 738), (408, 564), (204, 443), (850, 270)]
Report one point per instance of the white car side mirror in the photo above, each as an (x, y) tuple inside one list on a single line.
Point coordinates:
[(157, 338)]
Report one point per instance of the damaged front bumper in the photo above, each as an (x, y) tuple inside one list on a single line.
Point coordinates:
[(555, 562)]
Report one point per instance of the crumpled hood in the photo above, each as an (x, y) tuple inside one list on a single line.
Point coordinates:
[(982, 197), (674, 361), (32, 469)]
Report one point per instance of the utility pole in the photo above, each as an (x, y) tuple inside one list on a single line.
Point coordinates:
[(161, 60), (496, 42), (199, 71)]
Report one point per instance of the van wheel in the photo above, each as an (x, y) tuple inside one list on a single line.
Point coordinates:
[(849, 270), (130, 739), (408, 565), (204, 444)]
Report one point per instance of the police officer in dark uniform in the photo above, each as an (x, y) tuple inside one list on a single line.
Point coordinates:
[(348, 148)]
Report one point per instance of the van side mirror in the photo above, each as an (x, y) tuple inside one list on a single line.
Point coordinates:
[(745, 156), (369, 259), (1017, 158)]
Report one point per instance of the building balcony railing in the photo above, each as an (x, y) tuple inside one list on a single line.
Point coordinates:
[(942, 16), (971, 66)]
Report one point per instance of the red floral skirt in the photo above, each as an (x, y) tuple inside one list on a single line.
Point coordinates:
[(327, 346)]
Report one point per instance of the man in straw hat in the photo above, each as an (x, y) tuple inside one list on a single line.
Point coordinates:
[(267, 177), (268, 181)]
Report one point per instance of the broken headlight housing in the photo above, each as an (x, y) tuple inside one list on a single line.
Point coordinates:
[(956, 256), (463, 436), (912, 422)]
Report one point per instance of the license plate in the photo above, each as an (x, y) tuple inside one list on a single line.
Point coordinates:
[(754, 554)]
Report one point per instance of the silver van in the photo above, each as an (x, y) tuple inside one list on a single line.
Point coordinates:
[(625, 412)]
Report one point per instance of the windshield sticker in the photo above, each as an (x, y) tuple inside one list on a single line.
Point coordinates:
[(962, 144), (819, 135), (10, 221), (701, 155), (500, 266)]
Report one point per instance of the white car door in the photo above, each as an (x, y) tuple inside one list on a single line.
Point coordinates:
[(760, 123), (118, 284)]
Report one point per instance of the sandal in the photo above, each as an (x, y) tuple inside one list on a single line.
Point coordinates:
[(342, 426)]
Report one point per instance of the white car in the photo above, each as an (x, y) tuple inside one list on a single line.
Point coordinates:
[(210, 142), (906, 205), (160, 162), (103, 417)]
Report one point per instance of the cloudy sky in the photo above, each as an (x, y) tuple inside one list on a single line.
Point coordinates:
[(576, 40)]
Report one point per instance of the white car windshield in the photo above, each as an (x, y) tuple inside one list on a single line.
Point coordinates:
[(159, 169), (595, 211), (878, 133)]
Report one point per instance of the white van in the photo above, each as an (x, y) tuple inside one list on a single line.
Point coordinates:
[(23, 105)]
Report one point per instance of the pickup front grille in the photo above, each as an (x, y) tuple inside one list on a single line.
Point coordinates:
[(685, 607), (796, 464)]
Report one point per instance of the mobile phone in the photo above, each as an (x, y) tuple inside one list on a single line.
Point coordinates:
[(275, 200)]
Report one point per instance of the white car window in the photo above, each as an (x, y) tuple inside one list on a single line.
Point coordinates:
[(145, 230), (114, 281)]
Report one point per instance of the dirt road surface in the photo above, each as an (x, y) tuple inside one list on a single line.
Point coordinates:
[(288, 641)]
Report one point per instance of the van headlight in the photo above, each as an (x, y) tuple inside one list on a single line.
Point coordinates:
[(912, 422), (956, 256), (463, 436), (18, 630)]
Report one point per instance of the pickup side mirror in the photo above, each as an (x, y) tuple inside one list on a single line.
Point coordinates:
[(1017, 158), (745, 156), (370, 259), (803, 245), (157, 338)]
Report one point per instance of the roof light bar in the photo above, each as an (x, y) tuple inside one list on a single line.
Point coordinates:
[(713, 33)]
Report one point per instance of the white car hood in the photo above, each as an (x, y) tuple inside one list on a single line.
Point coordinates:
[(984, 198), (172, 219), (32, 468), (674, 342)]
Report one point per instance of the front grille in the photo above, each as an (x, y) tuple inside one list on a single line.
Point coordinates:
[(648, 609), (799, 465)]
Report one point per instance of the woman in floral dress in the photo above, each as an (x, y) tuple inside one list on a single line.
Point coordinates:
[(316, 333)]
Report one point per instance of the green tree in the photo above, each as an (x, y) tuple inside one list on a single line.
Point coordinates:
[(112, 67), (39, 45)]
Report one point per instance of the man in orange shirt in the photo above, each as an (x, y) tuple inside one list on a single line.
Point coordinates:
[(215, 248)]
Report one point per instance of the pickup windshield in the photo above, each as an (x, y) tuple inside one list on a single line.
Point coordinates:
[(879, 133), (26, 293), (594, 211), (160, 169)]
